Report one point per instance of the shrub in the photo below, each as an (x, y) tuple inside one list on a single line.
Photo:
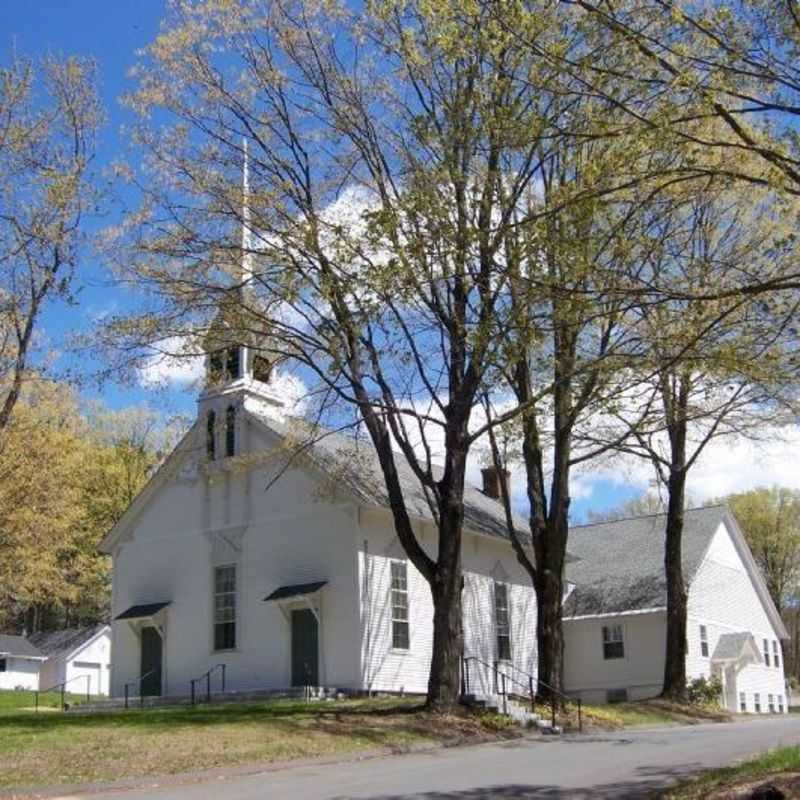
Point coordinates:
[(705, 691)]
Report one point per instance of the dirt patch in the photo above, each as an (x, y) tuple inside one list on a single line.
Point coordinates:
[(777, 787)]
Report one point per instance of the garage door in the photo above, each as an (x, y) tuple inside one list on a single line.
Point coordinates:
[(91, 669)]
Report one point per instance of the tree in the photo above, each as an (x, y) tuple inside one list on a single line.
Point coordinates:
[(724, 368), (63, 483), (770, 521), (683, 64), (389, 152), (49, 114)]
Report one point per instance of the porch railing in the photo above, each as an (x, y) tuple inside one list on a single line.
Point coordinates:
[(62, 688), (194, 683), (504, 684), (138, 682)]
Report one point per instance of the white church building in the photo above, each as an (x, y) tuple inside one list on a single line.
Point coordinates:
[(286, 570)]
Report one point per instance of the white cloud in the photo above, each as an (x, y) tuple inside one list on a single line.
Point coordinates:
[(727, 465), (175, 362)]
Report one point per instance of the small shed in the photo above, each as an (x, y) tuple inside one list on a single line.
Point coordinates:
[(20, 663), (79, 656)]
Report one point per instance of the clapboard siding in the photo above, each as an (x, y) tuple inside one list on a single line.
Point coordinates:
[(485, 561), (722, 597)]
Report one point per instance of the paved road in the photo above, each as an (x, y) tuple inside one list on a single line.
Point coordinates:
[(626, 765)]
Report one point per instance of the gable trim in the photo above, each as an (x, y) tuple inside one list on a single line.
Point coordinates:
[(608, 614), (728, 521), (91, 640), (121, 529)]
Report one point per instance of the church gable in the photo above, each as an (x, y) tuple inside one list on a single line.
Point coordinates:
[(728, 587)]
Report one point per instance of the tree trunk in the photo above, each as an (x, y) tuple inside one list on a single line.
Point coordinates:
[(675, 665), (549, 637), (444, 680)]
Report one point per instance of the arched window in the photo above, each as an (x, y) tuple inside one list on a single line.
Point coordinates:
[(216, 365), (234, 365), (211, 425), (230, 432)]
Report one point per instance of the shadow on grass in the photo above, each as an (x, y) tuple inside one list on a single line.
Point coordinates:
[(335, 712)]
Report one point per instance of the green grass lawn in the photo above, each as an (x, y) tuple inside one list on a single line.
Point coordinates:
[(780, 768), (12, 702), (53, 748), (643, 713)]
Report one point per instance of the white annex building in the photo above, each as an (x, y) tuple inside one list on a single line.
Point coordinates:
[(287, 569), (79, 657), (615, 614)]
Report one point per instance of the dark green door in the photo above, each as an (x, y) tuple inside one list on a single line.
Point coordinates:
[(151, 662), (305, 640)]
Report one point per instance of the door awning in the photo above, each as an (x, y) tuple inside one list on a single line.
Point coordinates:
[(739, 649), (297, 590), (142, 611)]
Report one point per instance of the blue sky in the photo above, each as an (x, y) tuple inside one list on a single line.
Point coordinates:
[(111, 31)]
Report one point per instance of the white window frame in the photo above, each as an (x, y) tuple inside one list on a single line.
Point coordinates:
[(757, 702), (742, 702), (215, 594), (776, 662), (505, 590), (771, 703), (765, 651), (402, 617), (610, 637), (704, 641)]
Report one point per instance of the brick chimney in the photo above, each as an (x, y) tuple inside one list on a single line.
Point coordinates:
[(491, 481)]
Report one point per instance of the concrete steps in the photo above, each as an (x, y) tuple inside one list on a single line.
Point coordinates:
[(515, 709)]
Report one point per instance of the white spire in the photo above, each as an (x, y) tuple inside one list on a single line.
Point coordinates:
[(247, 247)]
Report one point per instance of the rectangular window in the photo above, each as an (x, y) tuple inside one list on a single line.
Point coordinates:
[(766, 652), (613, 644), (501, 622), (775, 657), (703, 641), (400, 637), (771, 703), (780, 704), (225, 607), (3, 666), (757, 702), (742, 702)]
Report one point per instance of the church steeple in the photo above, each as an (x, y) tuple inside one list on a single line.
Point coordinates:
[(238, 373)]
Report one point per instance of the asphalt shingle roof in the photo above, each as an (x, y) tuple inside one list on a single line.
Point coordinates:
[(13, 645), (730, 646), (619, 565), (354, 463), (56, 643), (295, 590), (141, 611)]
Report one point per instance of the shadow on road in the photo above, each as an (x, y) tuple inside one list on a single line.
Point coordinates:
[(648, 781)]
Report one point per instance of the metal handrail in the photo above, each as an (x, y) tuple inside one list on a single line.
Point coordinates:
[(207, 678), (63, 687), (533, 684), (139, 682)]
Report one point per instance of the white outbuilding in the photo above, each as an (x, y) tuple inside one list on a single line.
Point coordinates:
[(615, 615), (20, 663), (78, 657)]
